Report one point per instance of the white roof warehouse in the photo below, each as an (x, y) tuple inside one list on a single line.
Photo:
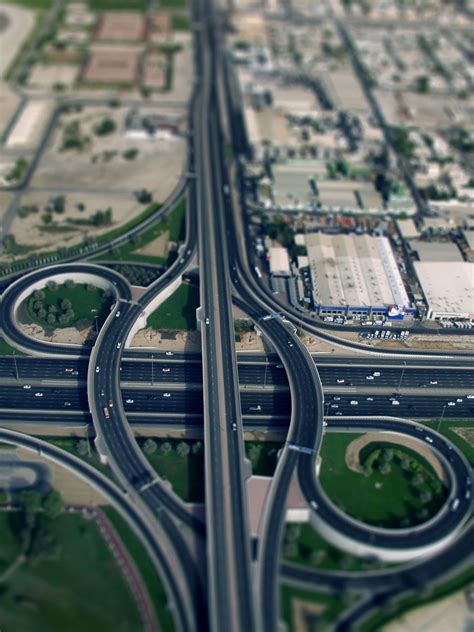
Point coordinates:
[(354, 273)]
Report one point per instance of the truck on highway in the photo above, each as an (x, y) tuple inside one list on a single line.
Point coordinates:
[(106, 412)]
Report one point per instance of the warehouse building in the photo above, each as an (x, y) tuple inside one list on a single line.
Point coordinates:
[(278, 261), (448, 288), (355, 275)]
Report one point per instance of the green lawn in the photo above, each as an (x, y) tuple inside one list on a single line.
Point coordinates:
[(445, 428), (32, 4), (304, 545), (178, 311), (86, 304), (180, 23), (71, 444), (332, 607), (174, 223), (418, 599), (5, 349), (185, 473), (173, 4), (138, 219), (263, 456), (117, 5), (78, 588), (145, 567), (389, 500)]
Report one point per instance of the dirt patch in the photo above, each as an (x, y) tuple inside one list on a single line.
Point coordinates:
[(465, 433), (304, 614), (355, 447), (19, 23), (156, 248), (68, 335)]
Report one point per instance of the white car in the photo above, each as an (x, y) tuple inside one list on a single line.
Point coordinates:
[(97, 369), (340, 381), (207, 321), (369, 399), (168, 353), (433, 382), (354, 402), (166, 394), (165, 370), (451, 403), (27, 386), (459, 400), (119, 344), (376, 373), (67, 403), (429, 439), (38, 394), (129, 401), (117, 314), (395, 402), (369, 377)]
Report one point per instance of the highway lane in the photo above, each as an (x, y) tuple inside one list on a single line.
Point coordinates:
[(257, 402), (20, 289), (408, 576), (445, 525), (178, 370), (228, 542)]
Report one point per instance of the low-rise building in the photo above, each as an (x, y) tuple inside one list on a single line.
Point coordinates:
[(279, 261), (448, 288), (355, 274)]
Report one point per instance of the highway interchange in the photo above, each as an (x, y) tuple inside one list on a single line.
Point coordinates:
[(113, 388)]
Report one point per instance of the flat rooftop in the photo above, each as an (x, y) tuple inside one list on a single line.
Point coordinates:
[(448, 286), (354, 270)]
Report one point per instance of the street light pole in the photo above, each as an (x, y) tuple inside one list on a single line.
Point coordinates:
[(401, 376), (441, 418), (152, 376), (16, 367)]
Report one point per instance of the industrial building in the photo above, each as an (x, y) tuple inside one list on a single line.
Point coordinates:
[(355, 275), (448, 288), (278, 261)]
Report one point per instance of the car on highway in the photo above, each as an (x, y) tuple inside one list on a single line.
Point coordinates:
[(334, 405), (395, 402), (207, 321), (459, 400), (340, 380), (336, 399), (470, 396), (354, 402), (117, 314), (38, 394), (433, 382), (279, 366), (376, 373), (67, 403), (111, 403), (451, 403), (314, 504), (165, 370), (166, 394), (369, 377), (97, 369), (168, 353), (429, 439), (369, 399), (27, 386), (255, 407), (454, 504), (119, 344), (129, 401)]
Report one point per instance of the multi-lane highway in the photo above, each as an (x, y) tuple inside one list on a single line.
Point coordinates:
[(230, 590)]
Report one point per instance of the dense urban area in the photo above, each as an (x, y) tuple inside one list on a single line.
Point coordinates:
[(236, 315)]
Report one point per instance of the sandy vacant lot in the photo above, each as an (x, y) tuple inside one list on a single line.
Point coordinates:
[(47, 75), (9, 102), (28, 231), (18, 23), (101, 165)]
